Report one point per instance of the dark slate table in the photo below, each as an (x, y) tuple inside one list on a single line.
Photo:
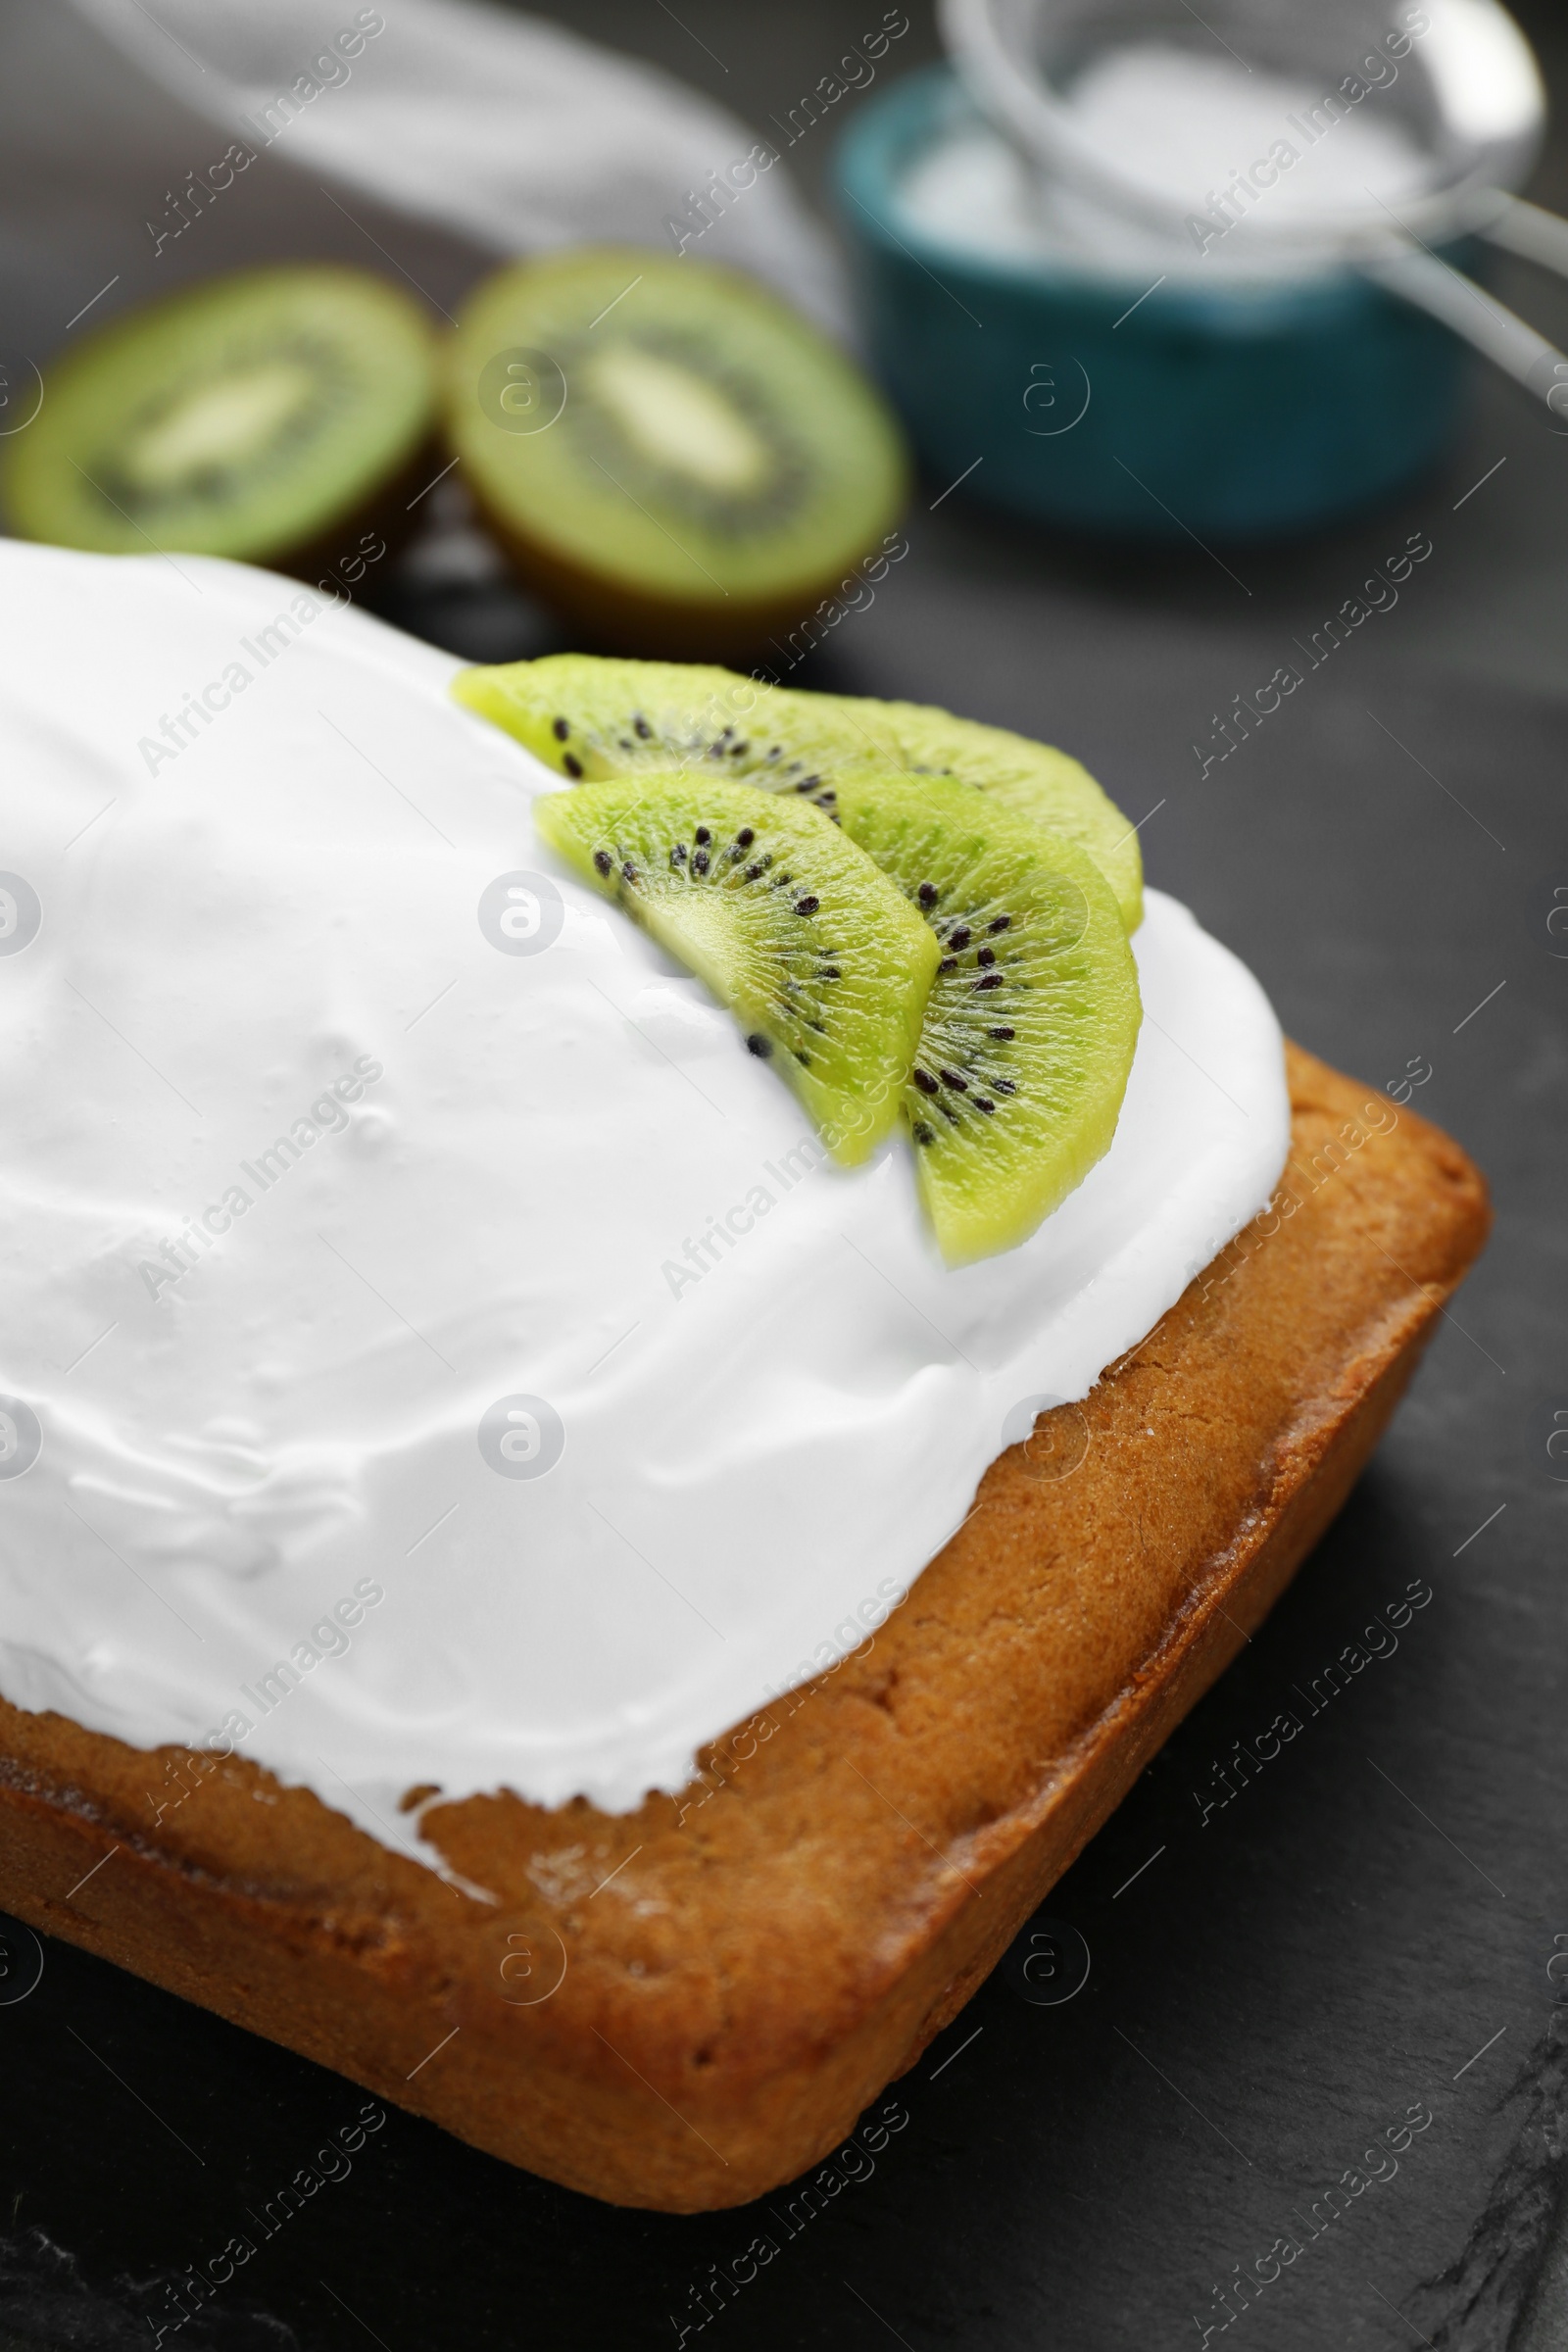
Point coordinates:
[(1376, 1924)]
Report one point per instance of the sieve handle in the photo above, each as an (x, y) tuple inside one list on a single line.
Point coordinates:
[(1419, 277), (1533, 234)]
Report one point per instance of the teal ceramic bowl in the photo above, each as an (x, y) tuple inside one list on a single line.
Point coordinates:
[(1215, 412)]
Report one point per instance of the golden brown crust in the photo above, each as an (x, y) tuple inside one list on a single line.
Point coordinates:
[(780, 1941)]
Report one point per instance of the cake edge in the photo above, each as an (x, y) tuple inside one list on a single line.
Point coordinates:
[(608, 2131)]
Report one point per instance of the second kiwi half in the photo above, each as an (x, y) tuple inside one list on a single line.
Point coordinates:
[(669, 453)]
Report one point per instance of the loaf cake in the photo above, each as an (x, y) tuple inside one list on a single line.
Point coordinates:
[(682, 2005)]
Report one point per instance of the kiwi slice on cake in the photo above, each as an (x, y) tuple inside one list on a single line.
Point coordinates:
[(1032, 1017), (1037, 782), (593, 718), (256, 416), (823, 960), (668, 451)]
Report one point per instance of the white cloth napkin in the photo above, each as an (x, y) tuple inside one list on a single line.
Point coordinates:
[(463, 125)]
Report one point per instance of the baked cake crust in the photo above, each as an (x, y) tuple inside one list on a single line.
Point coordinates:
[(684, 2006)]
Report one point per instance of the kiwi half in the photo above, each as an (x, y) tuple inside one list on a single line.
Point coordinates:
[(592, 717), (667, 451), (823, 961), (256, 416), (1033, 1015)]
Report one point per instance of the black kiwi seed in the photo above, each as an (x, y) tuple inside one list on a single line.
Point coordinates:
[(573, 767), (989, 980), (807, 906), (981, 1104), (1003, 1086), (745, 838), (702, 837), (1003, 1033), (960, 935), (629, 871), (949, 964), (678, 856), (923, 1133), (956, 1080), (986, 955), (830, 971), (603, 861), (924, 1081), (762, 1046), (1004, 922), (805, 1060), (561, 729), (927, 893), (699, 862), (752, 873), (643, 728), (738, 751)]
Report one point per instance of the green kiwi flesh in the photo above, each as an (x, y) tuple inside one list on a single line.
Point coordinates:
[(666, 450), (249, 416), (588, 717), (1033, 1015), (823, 961)]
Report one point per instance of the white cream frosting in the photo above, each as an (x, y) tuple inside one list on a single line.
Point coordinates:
[(540, 1402)]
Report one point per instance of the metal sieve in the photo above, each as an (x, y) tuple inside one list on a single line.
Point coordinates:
[(1457, 77)]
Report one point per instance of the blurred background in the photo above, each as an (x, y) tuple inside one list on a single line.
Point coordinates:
[(1498, 608), (101, 134)]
